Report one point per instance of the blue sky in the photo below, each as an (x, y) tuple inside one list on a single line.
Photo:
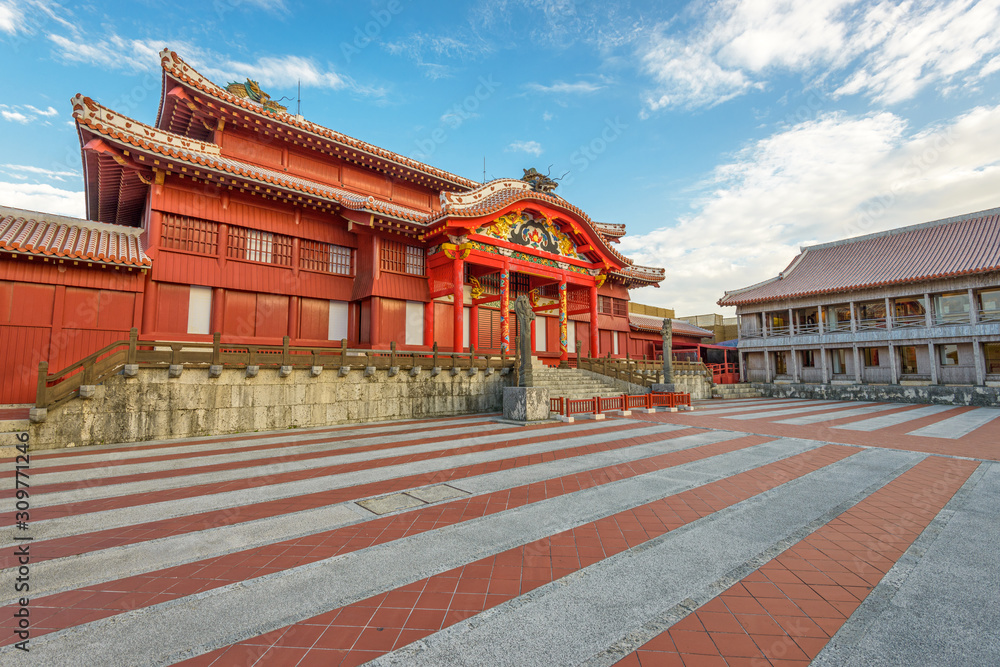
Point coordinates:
[(724, 133)]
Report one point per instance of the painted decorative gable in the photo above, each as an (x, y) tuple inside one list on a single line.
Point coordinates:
[(539, 233)]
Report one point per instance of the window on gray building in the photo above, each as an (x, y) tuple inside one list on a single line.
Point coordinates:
[(779, 363), (952, 308), (992, 353), (949, 355), (839, 361), (908, 360)]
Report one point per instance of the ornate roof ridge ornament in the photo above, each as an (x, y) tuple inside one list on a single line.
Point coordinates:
[(251, 90), (541, 182)]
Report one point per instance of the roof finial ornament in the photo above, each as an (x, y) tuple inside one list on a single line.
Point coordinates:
[(251, 89), (541, 182)]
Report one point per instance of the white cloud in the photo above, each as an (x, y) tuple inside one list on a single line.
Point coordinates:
[(282, 71), (10, 18), (25, 113), (923, 43), (532, 147), (895, 49), (143, 55), (114, 52), (563, 88), (428, 50), (15, 116), (18, 170), (50, 111), (42, 197), (547, 116), (831, 178)]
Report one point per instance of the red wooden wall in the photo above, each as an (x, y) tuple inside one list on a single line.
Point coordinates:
[(57, 323)]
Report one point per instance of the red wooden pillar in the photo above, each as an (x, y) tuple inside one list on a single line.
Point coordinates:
[(375, 321), (293, 317), (149, 306), (222, 249), (429, 323), (296, 250), (505, 309), (563, 327), (56, 342), (458, 278), (594, 336), (473, 325), (218, 308)]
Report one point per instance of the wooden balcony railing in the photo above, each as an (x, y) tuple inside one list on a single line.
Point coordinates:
[(872, 324), (958, 318), (909, 321), (989, 315), (57, 388)]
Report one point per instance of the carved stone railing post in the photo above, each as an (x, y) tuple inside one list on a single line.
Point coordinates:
[(40, 393)]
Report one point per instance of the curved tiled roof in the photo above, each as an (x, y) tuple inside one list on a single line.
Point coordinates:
[(655, 324), (485, 199), (944, 248), (129, 131), (180, 70), (48, 235), (612, 229), (497, 194)]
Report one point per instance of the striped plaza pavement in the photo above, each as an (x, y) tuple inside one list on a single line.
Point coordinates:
[(660, 539)]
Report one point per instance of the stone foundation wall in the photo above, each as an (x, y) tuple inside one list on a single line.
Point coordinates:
[(698, 385), (940, 394), (153, 406)]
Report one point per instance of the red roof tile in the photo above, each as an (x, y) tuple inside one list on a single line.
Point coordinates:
[(952, 247), (44, 234), (650, 323)]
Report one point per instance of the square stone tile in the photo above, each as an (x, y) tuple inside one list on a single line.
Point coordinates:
[(390, 503), (433, 494)]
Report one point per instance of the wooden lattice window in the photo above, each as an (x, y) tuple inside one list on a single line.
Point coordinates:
[(414, 261), (257, 246), (619, 307), (316, 256), (189, 234), (400, 258), (604, 304)]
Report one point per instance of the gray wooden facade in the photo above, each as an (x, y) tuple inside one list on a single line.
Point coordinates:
[(944, 331)]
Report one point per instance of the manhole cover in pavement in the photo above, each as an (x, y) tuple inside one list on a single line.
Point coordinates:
[(391, 503), (432, 494)]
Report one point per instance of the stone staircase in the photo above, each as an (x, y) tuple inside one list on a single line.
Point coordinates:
[(571, 383), (730, 391)]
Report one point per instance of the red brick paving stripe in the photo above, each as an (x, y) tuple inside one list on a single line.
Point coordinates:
[(787, 611), (83, 451), (86, 542), (118, 502), (370, 628), (62, 610), (332, 437), (305, 456), (982, 443)]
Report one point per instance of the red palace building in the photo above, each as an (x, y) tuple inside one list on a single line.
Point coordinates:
[(231, 215)]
